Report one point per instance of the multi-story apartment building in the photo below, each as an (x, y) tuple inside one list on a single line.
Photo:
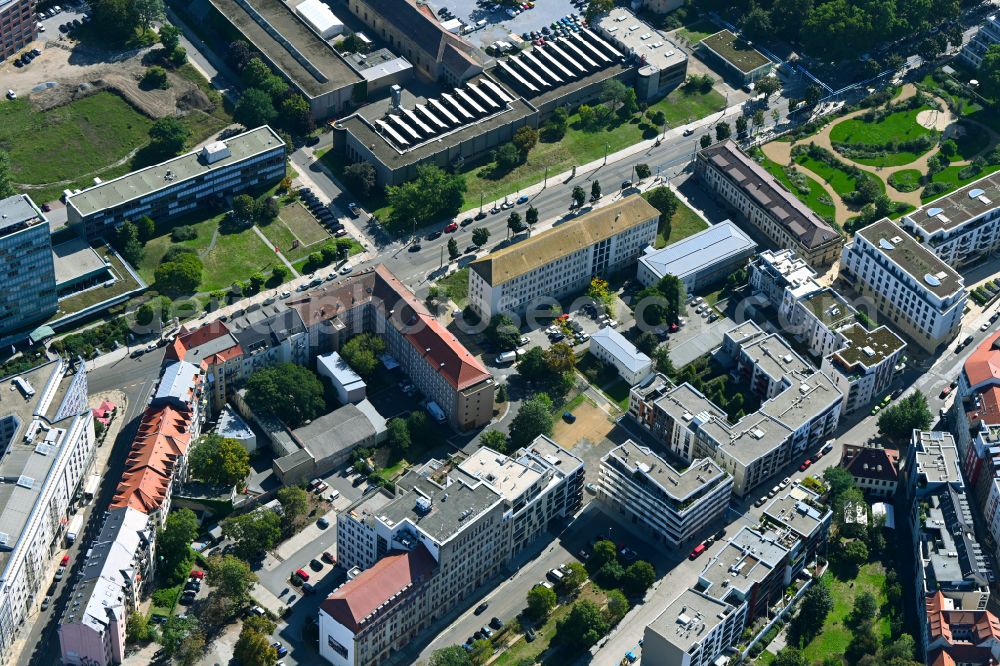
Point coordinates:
[(29, 284), (270, 336), (197, 179), (158, 457), (18, 26), (662, 64), (977, 403), (447, 529), (761, 200), (958, 636), (47, 436), (115, 570), (798, 510), (694, 630), (960, 227), (212, 348), (875, 470), (860, 362), (562, 260), (800, 408), (433, 358), (921, 295), (647, 492), (987, 35), (612, 348)]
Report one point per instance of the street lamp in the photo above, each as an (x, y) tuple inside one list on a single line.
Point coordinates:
[(606, 147)]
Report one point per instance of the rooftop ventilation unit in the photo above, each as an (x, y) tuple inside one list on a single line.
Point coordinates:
[(26, 482), (423, 505), (215, 151)]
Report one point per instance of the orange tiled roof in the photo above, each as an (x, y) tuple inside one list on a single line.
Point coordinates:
[(164, 435), (984, 363), (189, 339)]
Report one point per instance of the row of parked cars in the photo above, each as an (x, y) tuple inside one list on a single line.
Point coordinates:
[(322, 212)]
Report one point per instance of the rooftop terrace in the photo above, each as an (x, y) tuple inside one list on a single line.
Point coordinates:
[(735, 51), (869, 348)]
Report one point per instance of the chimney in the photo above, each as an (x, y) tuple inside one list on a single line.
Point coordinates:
[(397, 93)]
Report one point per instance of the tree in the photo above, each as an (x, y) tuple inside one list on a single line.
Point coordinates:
[(147, 12), (617, 605), (155, 78), (181, 276), (767, 86), (453, 655), (989, 71), (584, 625), (574, 578), (254, 108), (178, 57), (245, 210), (352, 44), (191, 648), (175, 631), (816, 604), (758, 118), (838, 480), (647, 343), (291, 392), (173, 544), (639, 577), (559, 358), (453, 251), (170, 37), (296, 115), (480, 236), (903, 647), (525, 139), (865, 608), (360, 177), (254, 649), (433, 194), (531, 216), (138, 629), (642, 171), (613, 93), (399, 435), (579, 196), (144, 315), (741, 125), (595, 190), (294, 503), (238, 54), (6, 188), (603, 552), (361, 353), (722, 131), (494, 439), (146, 227), (705, 140), (598, 7), (503, 333), (533, 419), (900, 420), (663, 363), (232, 578), (661, 302), (664, 200), (253, 533), (864, 642), (481, 652), (219, 460), (541, 601), (853, 553), (168, 136), (789, 656), (507, 157)]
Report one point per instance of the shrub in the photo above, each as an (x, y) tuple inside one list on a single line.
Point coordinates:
[(183, 233)]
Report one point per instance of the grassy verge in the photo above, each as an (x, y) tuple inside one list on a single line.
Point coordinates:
[(618, 392), (683, 223), (541, 649), (457, 286), (836, 634), (842, 182), (906, 180), (698, 31), (817, 199)]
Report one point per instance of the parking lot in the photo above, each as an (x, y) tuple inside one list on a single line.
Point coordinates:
[(499, 25)]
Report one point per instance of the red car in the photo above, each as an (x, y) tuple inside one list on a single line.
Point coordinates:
[(301, 573), (197, 574), (945, 391), (804, 466), (65, 561), (451, 228), (698, 550)]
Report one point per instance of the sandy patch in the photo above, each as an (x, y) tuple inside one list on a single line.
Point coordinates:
[(592, 423), (935, 120)]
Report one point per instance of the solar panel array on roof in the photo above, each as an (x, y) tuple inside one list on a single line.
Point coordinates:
[(406, 127), (558, 62)]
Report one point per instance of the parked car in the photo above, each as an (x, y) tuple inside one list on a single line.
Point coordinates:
[(323, 523), (480, 609), (315, 564), (451, 228), (197, 574), (698, 550), (523, 199), (302, 573), (496, 623), (353, 207), (327, 557)]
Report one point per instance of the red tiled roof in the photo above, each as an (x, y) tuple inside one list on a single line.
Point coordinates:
[(352, 602), (983, 365), (937, 626), (189, 339)]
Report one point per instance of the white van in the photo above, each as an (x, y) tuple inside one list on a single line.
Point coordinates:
[(506, 357)]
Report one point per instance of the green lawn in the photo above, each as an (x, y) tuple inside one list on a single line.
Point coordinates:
[(522, 652), (698, 31), (906, 180), (457, 286), (817, 198), (950, 177), (836, 634), (683, 223), (841, 181), (308, 232), (974, 139), (681, 107), (71, 142), (618, 392), (896, 127)]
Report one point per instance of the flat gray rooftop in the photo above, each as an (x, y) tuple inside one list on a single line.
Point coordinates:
[(171, 173), (720, 242), (955, 209), (75, 259), (639, 37), (747, 559), (806, 398), (921, 264), (796, 509), (18, 212), (775, 357), (337, 72), (690, 617), (937, 456), (463, 506), (677, 485)]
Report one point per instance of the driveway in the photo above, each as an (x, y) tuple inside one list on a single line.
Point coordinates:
[(697, 338)]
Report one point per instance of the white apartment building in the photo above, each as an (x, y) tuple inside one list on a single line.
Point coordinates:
[(694, 630), (761, 200), (612, 348), (919, 293), (782, 278), (864, 364), (118, 563), (47, 439), (800, 408), (960, 227), (646, 491), (562, 260), (181, 184), (987, 35)]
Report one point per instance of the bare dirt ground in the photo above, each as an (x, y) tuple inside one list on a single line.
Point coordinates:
[(592, 423), (78, 71)]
